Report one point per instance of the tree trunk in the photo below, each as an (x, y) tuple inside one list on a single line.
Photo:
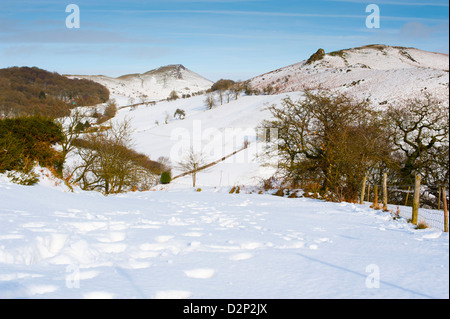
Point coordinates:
[(375, 200), (363, 190)]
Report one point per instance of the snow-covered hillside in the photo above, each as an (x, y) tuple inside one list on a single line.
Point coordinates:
[(153, 85), (217, 133), (185, 244), (378, 72)]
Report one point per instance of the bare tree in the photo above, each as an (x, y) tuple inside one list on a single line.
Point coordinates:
[(210, 101), (71, 128), (322, 141), (221, 92), (420, 132), (229, 94), (191, 164), (237, 89), (108, 164)]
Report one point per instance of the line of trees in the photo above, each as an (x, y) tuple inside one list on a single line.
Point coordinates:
[(329, 142)]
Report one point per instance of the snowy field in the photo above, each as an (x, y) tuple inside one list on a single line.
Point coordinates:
[(178, 243)]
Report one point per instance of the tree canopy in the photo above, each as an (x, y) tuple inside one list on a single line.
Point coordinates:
[(32, 91)]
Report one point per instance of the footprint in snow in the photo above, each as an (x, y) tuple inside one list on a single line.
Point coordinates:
[(98, 295), (251, 245), (112, 237), (193, 234), (202, 273), (172, 294), (163, 239), (323, 240), (242, 256)]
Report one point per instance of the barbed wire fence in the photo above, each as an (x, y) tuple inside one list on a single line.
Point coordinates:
[(400, 200)]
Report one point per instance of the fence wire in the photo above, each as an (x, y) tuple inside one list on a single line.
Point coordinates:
[(431, 205)]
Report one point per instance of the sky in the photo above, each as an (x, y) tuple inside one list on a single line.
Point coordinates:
[(232, 39)]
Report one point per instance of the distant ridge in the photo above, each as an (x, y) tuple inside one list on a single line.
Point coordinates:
[(378, 72), (155, 84)]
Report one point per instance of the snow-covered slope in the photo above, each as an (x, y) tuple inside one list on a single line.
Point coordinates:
[(185, 244), (153, 85), (217, 133), (381, 73)]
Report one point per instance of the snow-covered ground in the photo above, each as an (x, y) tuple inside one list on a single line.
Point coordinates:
[(178, 243)]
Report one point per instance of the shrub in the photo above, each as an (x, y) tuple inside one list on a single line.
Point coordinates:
[(181, 114), (27, 140), (279, 192), (28, 178), (110, 110), (210, 101), (173, 96), (235, 190), (222, 84), (165, 178), (421, 225)]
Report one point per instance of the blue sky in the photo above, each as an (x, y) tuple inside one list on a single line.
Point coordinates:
[(234, 39)]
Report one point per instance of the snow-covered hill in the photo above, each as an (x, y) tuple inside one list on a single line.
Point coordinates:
[(378, 72), (153, 85)]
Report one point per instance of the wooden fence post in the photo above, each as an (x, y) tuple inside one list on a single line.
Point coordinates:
[(385, 193), (363, 190), (416, 202), (375, 200), (407, 195), (445, 210)]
